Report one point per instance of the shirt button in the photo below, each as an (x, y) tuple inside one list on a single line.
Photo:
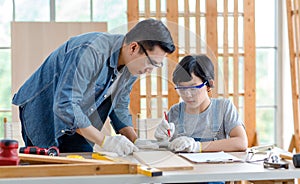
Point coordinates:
[(105, 96), (112, 80), (92, 109), (62, 131)]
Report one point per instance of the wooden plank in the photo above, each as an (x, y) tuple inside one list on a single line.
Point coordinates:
[(66, 170), (158, 9), (198, 27), (31, 158), (225, 51), (159, 79), (212, 38), (172, 17), (163, 160), (133, 11), (187, 27), (147, 9), (296, 39), (159, 70), (249, 71), (294, 73), (148, 76), (135, 107), (235, 56)]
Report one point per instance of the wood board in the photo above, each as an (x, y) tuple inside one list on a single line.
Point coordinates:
[(163, 160), (82, 169), (42, 166), (44, 159)]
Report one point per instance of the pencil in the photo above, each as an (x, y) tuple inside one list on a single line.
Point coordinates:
[(166, 117)]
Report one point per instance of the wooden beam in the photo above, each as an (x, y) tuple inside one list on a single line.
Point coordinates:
[(135, 101), (212, 38), (236, 55), (249, 70), (172, 18)]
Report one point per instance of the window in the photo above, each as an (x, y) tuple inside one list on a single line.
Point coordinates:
[(266, 70), (40, 10)]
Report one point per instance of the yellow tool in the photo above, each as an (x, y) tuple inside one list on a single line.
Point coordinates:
[(99, 156), (148, 171), (75, 156)]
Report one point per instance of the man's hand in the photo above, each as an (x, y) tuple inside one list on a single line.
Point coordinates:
[(184, 143), (118, 144), (161, 132)]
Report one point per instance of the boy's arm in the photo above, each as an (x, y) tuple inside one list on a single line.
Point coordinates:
[(238, 141)]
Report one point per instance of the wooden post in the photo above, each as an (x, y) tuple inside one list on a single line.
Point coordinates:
[(294, 71), (249, 71), (212, 37), (135, 107), (172, 17)]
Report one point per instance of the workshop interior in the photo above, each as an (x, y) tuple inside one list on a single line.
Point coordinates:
[(255, 49)]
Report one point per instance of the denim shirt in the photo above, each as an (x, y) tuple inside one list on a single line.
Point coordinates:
[(71, 85)]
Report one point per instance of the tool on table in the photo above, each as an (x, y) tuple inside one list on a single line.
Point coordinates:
[(9, 152), (100, 156), (264, 149), (167, 119), (75, 156), (296, 160), (274, 162), (148, 171), (52, 151)]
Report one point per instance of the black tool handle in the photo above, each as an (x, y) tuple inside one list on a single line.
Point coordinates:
[(296, 160)]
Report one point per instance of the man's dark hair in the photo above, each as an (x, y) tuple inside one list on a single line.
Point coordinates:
[(149, 33), (199, 65)]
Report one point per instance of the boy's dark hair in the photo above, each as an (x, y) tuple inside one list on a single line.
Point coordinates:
[(151, 32), (199, 65)]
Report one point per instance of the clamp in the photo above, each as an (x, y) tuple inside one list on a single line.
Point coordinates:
[(265, 149)]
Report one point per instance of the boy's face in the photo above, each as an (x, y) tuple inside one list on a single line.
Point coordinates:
[(141, 63), (195, 98)]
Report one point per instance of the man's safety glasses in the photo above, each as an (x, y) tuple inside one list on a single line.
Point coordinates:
[(152, 62), (192, 89)]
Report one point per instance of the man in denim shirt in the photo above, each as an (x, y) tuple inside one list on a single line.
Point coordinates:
[(88, 78)]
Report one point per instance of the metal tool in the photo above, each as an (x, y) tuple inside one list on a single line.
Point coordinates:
[(264, 149), (274, 162), (52, 151), (296, 160), (9, 152)]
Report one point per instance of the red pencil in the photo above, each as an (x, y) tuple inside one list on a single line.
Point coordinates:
[(166, 117)]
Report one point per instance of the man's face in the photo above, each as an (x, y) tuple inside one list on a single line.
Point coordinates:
[(146, 60)]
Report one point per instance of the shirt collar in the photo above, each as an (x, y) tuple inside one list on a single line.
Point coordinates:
[(115, 52)]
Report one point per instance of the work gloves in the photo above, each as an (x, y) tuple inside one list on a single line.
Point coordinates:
[(185, 144), (146, 144), (118, 144), (161, 132)]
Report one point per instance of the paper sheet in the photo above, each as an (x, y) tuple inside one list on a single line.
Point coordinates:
[(212, 157)]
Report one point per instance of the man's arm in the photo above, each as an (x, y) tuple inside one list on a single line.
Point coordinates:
[(129, 133), (92, 134)]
